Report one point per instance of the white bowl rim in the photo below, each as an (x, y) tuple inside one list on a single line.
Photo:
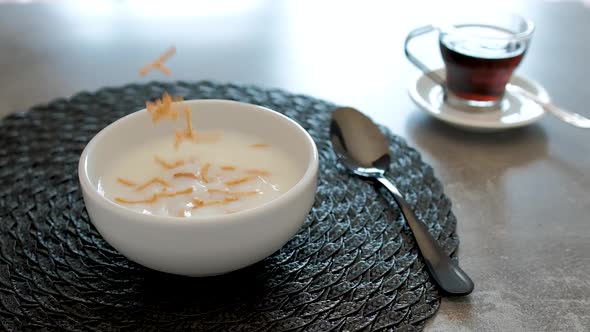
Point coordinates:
[(297, 189)]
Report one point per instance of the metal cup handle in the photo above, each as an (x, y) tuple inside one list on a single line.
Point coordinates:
[(419, 64)]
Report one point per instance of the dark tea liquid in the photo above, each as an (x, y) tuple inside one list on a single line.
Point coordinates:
[(479, 69)]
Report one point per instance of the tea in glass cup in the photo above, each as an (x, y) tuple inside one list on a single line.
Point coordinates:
[(480, 55)]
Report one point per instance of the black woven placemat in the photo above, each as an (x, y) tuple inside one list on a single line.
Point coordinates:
[(353, 266)]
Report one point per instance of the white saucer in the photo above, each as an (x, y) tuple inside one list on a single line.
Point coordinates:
[(515, 111)]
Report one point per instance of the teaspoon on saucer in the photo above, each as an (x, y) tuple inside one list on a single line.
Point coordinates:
[(574, 119)]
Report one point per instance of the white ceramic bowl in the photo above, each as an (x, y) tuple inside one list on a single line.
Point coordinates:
[(201, 246)]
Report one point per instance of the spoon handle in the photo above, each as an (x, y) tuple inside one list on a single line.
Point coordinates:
[(445, 272), (574, 119)]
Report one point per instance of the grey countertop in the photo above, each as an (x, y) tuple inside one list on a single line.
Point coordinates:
[(522, 197)]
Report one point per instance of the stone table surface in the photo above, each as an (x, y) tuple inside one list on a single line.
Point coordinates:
[(522, 197)]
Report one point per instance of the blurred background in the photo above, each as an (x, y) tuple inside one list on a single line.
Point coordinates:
[(349, 52)]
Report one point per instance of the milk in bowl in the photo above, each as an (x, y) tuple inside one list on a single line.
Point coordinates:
[(233, 173)]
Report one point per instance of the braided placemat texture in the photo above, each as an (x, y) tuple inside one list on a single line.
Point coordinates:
[(353, 266)]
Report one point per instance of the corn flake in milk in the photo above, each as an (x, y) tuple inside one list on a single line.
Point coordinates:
[(231, 174)]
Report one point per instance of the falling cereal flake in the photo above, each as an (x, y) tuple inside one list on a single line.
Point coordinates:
[(159, 63)]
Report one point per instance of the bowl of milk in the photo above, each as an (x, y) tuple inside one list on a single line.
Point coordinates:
[(231, 193)]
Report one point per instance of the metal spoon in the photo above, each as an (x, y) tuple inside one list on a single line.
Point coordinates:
[(364, 151), (574, 119)]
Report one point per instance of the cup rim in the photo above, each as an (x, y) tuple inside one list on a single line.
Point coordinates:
[(90, 190), (522, 35)]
